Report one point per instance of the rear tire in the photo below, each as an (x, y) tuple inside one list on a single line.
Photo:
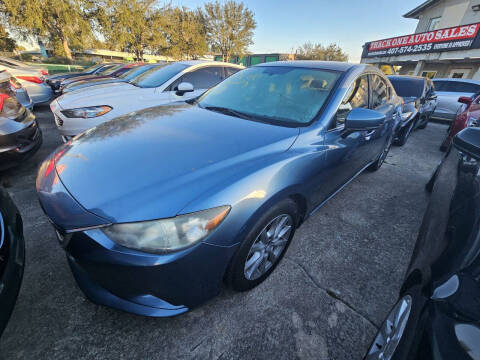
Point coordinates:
[(260, 253), (405, 133), (379, 162)]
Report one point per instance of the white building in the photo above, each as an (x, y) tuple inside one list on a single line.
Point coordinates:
[(446, 42)]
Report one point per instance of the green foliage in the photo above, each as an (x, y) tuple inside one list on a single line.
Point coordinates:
[(310, 51), (229, 27), (133, 26), (184, 33), (61, 23), (6, 43)]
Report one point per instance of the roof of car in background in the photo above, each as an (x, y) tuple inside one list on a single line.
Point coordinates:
[(207, 62), (458, 80), (406, 77), (326, 65)]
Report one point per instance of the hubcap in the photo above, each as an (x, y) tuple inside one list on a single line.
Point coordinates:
[(391, 331), (268, 246)]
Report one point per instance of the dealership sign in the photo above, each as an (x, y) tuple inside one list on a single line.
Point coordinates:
[(454, 38)]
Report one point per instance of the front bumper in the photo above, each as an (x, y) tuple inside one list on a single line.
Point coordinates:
[(19, 146), (146, 284)]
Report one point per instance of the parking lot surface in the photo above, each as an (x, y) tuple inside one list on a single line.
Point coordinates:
[(325, 300)]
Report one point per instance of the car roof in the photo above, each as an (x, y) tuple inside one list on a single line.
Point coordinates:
[(458, 80), (313, 64), (208, 62)]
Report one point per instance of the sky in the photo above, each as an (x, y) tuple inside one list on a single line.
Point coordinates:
[(285, 25)]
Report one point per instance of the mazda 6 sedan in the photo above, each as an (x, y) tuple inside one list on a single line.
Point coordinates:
[(157, 209)]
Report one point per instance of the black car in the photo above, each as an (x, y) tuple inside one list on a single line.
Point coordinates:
[(438, 313), (420, 103), (12, 256), (55, 80), (20, 136)]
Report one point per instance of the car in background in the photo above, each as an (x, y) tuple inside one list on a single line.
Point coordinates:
[(469, 116), (32, 80), (157, 208), (55, 80), (20, 136), (437, 315), (448, 91), (76, 112), (125, 77), (6, 81), (114, 72), (420, 101), (12, 256)]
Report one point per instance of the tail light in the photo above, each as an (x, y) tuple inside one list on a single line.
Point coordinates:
[(34, 79), (44, 72), (3, 97)]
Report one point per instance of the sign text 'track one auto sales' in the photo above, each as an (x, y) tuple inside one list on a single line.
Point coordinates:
[(454, 38)]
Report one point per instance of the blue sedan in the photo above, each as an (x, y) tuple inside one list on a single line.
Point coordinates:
[(157, 209)]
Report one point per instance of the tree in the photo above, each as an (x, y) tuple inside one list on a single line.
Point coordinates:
[(184, 33), (6, 43), (133, 25), (332, 52), (229, 27), (61, 23)]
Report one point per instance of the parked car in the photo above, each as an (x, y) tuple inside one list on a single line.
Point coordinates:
[(12, 256), (448, 91), (114, 72), (437, 315), (55, 80), (32, 80), (470, 116), (20, 136), (156, 208), (125, 77), (78, 111), (420, 101), (10, 82)]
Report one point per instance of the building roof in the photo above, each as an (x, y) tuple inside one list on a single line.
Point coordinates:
[(326, 65), (413, 14)]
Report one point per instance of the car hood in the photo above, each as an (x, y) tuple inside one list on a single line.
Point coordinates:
[(151, 164), (104, 94)]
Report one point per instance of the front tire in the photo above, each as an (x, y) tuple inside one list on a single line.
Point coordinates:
[(264, 246)]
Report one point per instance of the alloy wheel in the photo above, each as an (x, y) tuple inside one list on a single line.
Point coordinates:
[(268, 246), (391, 331)]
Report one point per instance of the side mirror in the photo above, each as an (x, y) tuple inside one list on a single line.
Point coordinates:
[(183, 88), (360, 119), (465, 100), (468, 141)]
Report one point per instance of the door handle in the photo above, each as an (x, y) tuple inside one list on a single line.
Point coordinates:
[(369, 134)]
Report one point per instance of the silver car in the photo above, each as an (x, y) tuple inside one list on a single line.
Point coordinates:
[(448, 91), (7, 80), (32, 79)]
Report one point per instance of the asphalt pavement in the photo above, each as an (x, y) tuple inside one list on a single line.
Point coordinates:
[(325, 300)]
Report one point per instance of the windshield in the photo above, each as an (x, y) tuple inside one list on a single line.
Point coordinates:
[(135, 71), (273, 93), (408, 87), (93, 67), (158, 75)]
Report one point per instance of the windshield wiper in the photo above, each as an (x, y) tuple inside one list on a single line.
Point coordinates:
[(228, 111)]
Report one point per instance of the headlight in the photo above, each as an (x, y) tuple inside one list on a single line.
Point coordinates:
[(167, 235), (87, 112)]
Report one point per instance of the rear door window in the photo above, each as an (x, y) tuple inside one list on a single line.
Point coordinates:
[(203, 78), (380, 92), (456, 86)]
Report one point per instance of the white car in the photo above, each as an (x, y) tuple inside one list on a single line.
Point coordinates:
[(448, 91), (32, 79), (83, 109)]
